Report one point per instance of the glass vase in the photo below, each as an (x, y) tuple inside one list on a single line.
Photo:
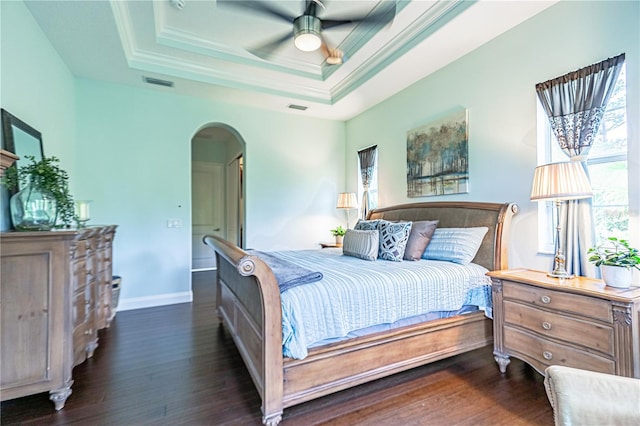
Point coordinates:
[(32, 210)]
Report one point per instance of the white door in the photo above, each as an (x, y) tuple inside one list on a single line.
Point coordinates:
[(233, 201), (207, 210)]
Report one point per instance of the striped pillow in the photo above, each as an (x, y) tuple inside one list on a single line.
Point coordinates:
[(361, 243), (458, 245)]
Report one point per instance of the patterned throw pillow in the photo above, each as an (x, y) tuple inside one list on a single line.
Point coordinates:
[(362, 244), (458, 245), (367, 225), (421, 232), (393, 239)]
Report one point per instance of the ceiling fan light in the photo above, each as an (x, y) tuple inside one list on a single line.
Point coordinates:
[(307, 33), (308, 42)]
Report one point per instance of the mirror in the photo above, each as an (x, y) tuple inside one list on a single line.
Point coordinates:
[(20, 138)]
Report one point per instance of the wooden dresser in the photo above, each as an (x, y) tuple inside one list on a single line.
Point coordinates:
[(577, 323), (55, 296)]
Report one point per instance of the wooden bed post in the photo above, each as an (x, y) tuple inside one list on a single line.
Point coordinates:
[(272, 358), (248, 304)]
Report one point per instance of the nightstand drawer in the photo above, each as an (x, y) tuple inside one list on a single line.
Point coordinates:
[(541, 353), (558, 300), (561, 327)]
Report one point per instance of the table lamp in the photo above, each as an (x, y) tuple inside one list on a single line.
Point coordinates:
[(347, 201), (559, 182)]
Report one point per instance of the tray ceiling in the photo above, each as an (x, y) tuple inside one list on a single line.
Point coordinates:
[(201, 48)]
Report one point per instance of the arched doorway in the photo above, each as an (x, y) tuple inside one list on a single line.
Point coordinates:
[(217, 190)]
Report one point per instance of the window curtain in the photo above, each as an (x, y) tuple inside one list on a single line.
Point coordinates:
[(367, 159), (575, 104)]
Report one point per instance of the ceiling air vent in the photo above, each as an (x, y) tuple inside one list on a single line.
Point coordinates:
[(157, 81), (298, 107)]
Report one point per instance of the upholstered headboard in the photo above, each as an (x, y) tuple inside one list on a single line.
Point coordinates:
[(460, 214)]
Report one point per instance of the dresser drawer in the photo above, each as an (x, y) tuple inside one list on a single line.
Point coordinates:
[(80, 309), (542, 353), (558, 300), (79, 275), (572, 330), (80, 339), (81, 249)]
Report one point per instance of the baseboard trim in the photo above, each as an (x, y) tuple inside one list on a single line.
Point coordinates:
[(153, 301)]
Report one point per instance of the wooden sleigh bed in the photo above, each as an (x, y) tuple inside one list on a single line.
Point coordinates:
[(249, 306)]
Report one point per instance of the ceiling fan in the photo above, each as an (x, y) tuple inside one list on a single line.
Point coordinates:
[(307, 28)]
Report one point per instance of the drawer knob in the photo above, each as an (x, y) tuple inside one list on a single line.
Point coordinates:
[(546, 325), (547, 355), (545, 299)]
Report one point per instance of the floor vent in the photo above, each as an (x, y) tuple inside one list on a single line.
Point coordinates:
[(157, 81)]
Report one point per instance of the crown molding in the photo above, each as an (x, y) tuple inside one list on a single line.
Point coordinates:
[(286, 77), (426, 24), (164, 64)]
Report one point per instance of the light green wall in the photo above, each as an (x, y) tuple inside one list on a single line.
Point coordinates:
[(135, 166), (35, 84), (496, 84)]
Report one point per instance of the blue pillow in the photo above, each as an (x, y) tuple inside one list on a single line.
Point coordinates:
[(393, 239), (458, 245), (367, 225)]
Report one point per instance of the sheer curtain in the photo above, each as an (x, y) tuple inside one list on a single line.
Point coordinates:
[(367, 159), (575, 104)]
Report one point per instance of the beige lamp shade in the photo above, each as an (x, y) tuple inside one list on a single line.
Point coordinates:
[(347, 200), (560, 181)]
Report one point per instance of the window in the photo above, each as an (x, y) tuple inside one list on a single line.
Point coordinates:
[(368, 167), (607, 168)]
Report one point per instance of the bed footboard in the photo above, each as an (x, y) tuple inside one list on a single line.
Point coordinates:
[(248, 303)]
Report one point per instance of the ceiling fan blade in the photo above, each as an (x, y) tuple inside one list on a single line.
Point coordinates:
[(266, 50), (261, 7), (378, 18), (333, 56)]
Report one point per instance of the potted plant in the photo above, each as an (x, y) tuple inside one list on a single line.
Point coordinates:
[(43, 199), (338, 233), (615, 259)]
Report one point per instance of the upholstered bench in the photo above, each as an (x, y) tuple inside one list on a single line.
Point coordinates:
[(581, 397)]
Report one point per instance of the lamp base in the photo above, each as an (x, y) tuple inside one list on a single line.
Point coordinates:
[(560, 274)]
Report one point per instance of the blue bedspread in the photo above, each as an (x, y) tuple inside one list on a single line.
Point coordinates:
[(287, 273), (355, 293)]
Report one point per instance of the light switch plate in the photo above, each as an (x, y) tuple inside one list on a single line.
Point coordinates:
[(174, 223)]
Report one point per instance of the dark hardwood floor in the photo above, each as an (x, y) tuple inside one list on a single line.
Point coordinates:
[(174, 365)]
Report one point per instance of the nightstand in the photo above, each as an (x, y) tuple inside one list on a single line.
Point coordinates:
[(578, 323), (330, 245)]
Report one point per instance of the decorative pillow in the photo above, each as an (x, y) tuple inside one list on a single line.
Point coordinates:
[(458, 245), (367, 225), (361, 243), (421, 232), (393, 239)]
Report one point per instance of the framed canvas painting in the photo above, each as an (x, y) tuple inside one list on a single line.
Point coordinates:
[(438, 156)]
